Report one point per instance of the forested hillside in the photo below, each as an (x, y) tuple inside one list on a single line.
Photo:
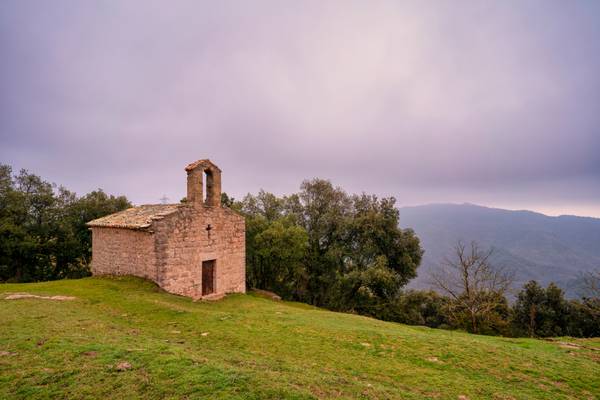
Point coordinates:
[(536, 246)]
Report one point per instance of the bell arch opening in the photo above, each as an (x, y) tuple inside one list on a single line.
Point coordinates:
[(208, 187)]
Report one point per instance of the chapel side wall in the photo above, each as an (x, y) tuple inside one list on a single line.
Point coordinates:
[(231, 251), (117, 251), (182, 243)]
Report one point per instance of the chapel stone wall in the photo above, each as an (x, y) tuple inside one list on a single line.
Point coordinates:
[(183, 242), (123, 252)]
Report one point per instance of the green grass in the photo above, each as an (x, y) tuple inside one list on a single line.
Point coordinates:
[(247, 347)]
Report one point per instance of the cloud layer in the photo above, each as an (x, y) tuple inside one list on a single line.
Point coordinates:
[(487, 102)]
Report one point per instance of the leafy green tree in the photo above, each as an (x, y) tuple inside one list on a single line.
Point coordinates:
[(42, 227), (323, 211), (344, 252), (93, 205), (372, 231), (275, 246), (419, 307), (367, 291), (540, 312), (354, 242), (11, 234), (226, 201), (265, 204), (28, 226), (278, 259), (584, 317), (528, 308)]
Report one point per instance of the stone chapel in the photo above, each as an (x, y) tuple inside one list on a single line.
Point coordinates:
[(194, 249)]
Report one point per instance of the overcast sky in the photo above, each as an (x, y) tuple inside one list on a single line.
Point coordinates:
[(488, 102)]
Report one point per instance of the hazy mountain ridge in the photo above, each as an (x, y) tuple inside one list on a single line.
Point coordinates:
[(536, 246)]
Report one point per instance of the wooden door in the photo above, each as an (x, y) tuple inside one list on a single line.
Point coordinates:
[(208, 277)]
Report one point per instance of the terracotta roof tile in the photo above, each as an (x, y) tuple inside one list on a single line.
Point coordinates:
[(136, 217)]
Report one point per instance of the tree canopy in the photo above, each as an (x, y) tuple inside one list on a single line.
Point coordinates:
[(43, 235), (326, 247)]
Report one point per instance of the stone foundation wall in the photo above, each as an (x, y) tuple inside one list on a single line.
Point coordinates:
[(123, 252)]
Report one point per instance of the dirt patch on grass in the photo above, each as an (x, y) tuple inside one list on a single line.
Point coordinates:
[(566, 345), (571, 345), (266, 294), (123, 366), (18, 296)]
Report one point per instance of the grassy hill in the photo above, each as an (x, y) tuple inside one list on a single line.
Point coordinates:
[(248, 347)]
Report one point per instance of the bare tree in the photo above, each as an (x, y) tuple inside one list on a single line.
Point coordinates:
[(476, 287), (591, 283), (591, 291)]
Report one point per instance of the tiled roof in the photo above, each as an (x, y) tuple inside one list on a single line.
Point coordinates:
[(136, 217)]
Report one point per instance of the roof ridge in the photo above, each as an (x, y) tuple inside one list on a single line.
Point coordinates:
[(138, 217)]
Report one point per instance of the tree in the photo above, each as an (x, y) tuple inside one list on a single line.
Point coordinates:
[(367, 291), (277, 259), (585, 313), (372, 232), (583, 319), (344, 252), (28, 213), (322, 210), (541, 312), (528, 308), (354, 242), (591, 299), (417, 307), (43, 234), (591, 285), (93, 205), (476, 287), (226, 201)]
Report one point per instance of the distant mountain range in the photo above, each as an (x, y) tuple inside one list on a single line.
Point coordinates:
[(536, 246)]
